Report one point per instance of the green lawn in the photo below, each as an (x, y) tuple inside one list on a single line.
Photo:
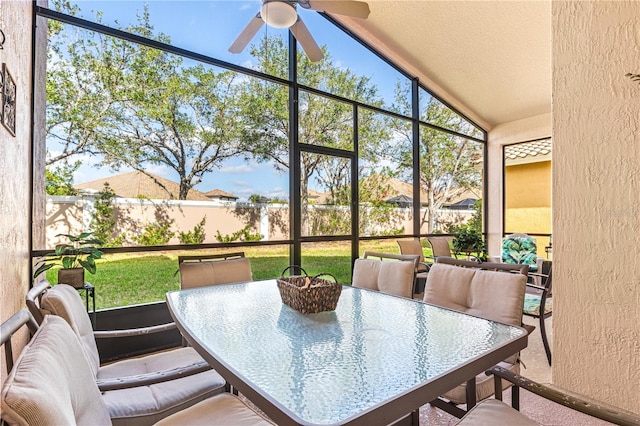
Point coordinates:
[(132, 278)]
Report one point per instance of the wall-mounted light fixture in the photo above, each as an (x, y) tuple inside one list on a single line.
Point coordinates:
[(2, 39)]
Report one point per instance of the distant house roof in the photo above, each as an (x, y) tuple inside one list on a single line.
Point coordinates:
[(220, 194), (136, 184), (528, 150), (401, 200), (465, 204)]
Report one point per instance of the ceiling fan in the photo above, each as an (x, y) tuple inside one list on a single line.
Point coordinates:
[(283, 14)]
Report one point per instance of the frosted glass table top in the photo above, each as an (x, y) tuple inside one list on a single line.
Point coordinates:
[(335, 367)]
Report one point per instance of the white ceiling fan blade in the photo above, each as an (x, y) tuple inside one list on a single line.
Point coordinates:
[(357, 9), (309, 45), (246, 35)]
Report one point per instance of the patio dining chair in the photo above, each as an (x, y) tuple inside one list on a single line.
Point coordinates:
[(139, 390), (212, 269), (388, 273), (493, 291), (538, 301), (494, 411), (414, 247), (440, 247), (51, 383)]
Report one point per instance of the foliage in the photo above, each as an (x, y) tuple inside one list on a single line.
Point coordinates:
[(104, 218), (469, 240), (135, 105), (196, 236), (258, 199), (243, 234), (449, 164), (59, 180), (263, 108), (157, 233), (80, 251), (475, 222)]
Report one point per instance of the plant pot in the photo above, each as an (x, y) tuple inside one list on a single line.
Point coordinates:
[(73, 277)]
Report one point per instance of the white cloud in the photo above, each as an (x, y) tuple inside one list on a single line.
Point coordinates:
[(240, 168)]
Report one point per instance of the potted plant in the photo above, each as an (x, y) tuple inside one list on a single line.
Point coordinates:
[(78, 254), (468, 240)]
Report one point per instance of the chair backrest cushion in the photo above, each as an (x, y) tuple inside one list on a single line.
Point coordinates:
[(51, 382), (392, 277), (365, 273), (497, 296), (64, 301), (520, 249), (440, 246), (396, 278), (494, 295), (200, 274)]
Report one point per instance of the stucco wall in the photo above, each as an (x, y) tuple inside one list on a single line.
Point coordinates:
[(15, 22), (596, 198), (537, 127)]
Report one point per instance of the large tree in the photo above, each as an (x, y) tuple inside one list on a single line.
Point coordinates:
[(137, 106), (450, 165), (322, 121)]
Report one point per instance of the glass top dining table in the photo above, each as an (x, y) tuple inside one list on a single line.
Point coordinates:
[(373, 360)]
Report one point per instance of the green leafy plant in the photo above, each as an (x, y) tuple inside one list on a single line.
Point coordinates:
[(244, 234), (159, 232), (79, 252), (104, 219), (469, 240), (196, 236)]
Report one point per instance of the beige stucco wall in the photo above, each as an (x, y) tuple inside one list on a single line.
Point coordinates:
[(15, 22), (531, 128), (596, 199)]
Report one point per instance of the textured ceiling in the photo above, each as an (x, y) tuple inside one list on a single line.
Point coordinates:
[(489, 59)]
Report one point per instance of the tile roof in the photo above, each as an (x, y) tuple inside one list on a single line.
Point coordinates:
[(220, 193), (136, 184), (528, 149)]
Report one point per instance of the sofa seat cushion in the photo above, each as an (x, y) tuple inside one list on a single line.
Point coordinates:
[(51, 382), (145, 405), (532, 304), (492, 412), (220, 410)]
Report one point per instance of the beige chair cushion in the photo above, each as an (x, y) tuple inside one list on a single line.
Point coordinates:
[(200, 274), (145, 405), (396, 277), (51, 382), (492, 412), (142, 405), (365, 273), (497, 296), (64, 301), (221, 410), (392, 277)]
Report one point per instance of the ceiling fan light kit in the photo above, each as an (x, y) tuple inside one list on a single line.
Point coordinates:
[(278, 14), (283, 14)]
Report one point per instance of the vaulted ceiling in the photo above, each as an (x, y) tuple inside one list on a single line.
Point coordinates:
[(489, 59)]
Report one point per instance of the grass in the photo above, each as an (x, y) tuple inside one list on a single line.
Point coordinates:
[(132, 278)]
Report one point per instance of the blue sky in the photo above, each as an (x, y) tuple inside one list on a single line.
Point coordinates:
[(209, 27)]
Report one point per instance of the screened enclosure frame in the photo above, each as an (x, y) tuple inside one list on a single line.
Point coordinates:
[(296, 239)]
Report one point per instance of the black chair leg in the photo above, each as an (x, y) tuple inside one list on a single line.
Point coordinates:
[(545, 342)]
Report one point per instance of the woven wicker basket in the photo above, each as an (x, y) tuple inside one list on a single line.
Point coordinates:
[(307, 294)]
